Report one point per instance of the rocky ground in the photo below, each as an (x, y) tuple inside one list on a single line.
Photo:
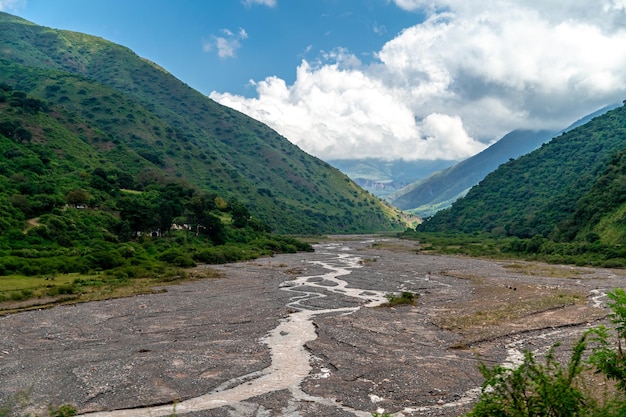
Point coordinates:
[(207, 337)]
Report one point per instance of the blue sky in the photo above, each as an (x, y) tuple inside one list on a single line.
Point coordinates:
[(258, 39), (393, 79)]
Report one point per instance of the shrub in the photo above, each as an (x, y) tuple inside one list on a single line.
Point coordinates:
[(21, 295), (405, 297), (65, 410), (62, 290), (532, 389), (551, 389), (607, 359), (175, 256), (106, 259)]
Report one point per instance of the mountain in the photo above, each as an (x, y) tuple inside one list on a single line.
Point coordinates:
[(130, 114), (570, 188), (442, 188), (381, 177)]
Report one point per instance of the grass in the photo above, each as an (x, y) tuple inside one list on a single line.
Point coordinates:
[(20, 288), (498, 314), (545, 270), (21, 293)]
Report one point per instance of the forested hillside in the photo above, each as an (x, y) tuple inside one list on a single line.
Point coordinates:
[(565, 190), (65, 207), (440, 189), (132, 116)]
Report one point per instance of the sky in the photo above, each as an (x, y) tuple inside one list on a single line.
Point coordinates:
[(390, 79)]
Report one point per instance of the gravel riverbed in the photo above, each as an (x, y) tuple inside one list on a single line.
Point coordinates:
[(211, 347)]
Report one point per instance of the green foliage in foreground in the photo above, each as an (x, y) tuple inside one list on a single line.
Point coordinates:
[(589, 252), (555, 390)]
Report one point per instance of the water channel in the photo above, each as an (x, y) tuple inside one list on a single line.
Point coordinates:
[(290, 361), (336, 285)]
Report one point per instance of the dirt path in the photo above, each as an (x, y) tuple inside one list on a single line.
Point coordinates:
[(293, 335)]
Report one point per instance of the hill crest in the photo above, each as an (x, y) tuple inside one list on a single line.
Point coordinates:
[(140, 111)]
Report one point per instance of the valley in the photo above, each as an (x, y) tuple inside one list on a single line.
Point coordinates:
[(304, 334)]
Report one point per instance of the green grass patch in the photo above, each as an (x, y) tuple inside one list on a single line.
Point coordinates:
[(404, 298), (537, 248), (21, 293)]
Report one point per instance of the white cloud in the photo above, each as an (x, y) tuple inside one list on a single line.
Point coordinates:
[(11, 5), (227, 44), (268, 3), (471, 71), (339, 113)]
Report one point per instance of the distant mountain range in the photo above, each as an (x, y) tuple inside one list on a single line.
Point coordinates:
[(107, 108), (383, 178), (442, 188)]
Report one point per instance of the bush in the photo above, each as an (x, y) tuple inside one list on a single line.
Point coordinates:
[(65, 410), (62, 290), (607, 359), (226, 253), (532, 389), (175, 256), (21, 295), (106, 259), (406, 297), (551, 389)]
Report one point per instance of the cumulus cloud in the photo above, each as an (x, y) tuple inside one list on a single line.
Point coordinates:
[(444, 88), (268, 3), (227, 44)]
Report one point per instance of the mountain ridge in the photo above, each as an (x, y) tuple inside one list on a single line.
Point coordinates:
[(183, 133), (546, 192), (442, 188)]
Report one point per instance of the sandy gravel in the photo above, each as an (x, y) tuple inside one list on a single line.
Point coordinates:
[(208, 337)]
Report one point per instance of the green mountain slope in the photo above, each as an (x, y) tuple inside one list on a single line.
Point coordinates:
[(451, 183), (536, 193), (600, 214), (442, 188), (147, 123)]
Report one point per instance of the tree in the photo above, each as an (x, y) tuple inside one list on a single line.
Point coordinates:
[(200, 208), (20, 201), (240, 214), (165, 216), (213, 227), (77, 197), (14, 130), (138, 213)]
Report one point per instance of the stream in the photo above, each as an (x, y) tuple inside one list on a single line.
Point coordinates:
[(289, 359)]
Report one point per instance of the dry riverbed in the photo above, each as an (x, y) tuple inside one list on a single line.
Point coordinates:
[(301, 335)]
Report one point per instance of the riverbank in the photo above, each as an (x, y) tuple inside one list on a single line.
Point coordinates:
[(198, 344)]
